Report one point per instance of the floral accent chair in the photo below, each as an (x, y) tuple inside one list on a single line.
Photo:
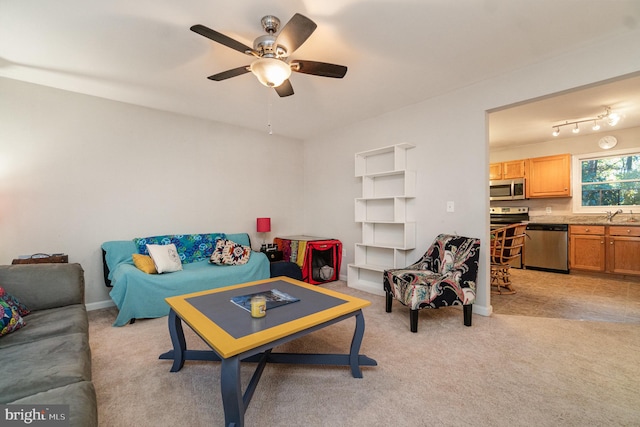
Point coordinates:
[(445, 275)]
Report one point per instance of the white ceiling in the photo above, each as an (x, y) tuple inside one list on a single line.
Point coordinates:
[(532, 122), (399, 52)]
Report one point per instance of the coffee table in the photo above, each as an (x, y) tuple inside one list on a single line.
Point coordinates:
[(234, 336)]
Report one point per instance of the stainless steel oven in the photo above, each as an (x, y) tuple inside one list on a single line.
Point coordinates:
[(504, 216), (507, 189)]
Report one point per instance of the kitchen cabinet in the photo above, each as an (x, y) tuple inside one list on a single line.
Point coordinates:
[(513, 169), (507, 170), (624, 250), (495, 171), (386, 213), (549, 176), (612, 249), (586, 248)]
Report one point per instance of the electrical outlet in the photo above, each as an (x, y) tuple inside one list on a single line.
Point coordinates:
[(450, 206), (548, 210)]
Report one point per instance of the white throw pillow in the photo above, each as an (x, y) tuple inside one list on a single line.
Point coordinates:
[(165, 257)]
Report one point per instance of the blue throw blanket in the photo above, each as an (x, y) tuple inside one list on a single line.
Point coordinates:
[(139, 295)]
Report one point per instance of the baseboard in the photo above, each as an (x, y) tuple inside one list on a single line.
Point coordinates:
[(482, 310), (98, 305), (374, 289)]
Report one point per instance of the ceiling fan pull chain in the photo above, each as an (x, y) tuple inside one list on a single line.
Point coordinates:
[(269, 105)]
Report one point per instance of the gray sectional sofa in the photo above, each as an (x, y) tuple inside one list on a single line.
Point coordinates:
[(48, 361)]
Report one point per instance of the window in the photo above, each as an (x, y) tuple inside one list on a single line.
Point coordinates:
[(607, 181)]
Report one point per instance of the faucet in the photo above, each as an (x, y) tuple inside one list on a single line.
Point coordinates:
[(610, 214)]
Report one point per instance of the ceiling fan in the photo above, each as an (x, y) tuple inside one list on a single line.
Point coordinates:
[(272, 66)]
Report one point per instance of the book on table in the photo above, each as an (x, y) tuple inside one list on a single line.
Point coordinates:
[(273, 297)]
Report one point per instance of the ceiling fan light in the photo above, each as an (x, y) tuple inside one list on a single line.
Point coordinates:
[(271, 72)]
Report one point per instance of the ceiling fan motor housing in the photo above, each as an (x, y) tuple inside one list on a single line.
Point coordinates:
[(266, 47)]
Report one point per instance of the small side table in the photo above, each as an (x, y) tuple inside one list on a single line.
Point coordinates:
[(273, 256)]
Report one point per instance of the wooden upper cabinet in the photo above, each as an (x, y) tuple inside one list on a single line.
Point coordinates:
[(495, 171), (513, 169), (507, 170), (549, 176)]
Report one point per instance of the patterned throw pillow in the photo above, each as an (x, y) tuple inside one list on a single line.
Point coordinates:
[(235, 254), (195, 247), (14, 303), (165, 258), (216, 256), (144, 263), (190, 247), (11, 319), (142, 242)]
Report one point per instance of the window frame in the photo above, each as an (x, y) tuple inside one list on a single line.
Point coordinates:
[(577, 180)]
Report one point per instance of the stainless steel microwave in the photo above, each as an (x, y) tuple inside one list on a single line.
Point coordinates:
[(507, 189)]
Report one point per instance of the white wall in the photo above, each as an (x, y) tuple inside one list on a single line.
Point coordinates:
[(76, 171), (450, 133)]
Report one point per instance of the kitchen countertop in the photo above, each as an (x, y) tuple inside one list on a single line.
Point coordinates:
[(620, 219)]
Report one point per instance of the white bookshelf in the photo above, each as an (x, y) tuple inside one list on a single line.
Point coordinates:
[(386, 212)]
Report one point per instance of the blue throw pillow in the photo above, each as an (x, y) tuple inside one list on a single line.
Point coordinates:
[(190, 247), (142, 242)]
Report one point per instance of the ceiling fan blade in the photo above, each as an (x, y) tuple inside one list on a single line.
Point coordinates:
[(285, 89), (295, 32), (229, 73), (221, 38), (323, 69)]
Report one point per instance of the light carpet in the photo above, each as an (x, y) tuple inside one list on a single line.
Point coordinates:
[(505, 370)]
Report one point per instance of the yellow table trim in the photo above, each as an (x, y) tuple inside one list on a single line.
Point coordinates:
[(227, 346)]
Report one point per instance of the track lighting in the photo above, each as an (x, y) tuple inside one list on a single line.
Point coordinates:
[(611, 119)]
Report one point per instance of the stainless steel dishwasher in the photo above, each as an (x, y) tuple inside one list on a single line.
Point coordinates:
[(546, 247)]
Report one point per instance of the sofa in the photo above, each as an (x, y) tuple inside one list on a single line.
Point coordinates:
[(47, 361), (140, 295)]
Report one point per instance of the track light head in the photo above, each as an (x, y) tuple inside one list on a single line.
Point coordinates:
[(613, 119)]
